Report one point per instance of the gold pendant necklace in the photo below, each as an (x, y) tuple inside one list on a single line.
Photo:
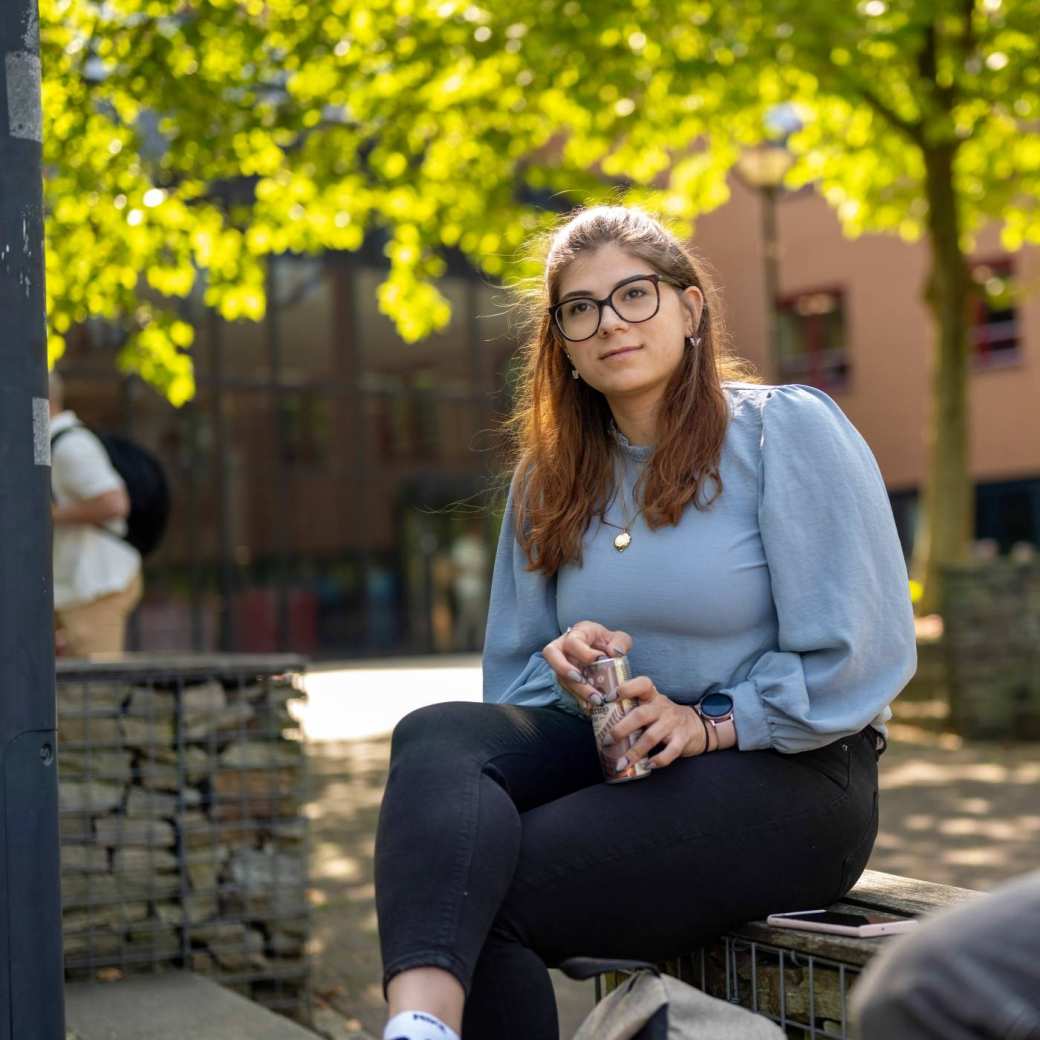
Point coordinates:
[(623, 540)]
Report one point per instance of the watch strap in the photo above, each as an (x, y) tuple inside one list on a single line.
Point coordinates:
[(725, 732)]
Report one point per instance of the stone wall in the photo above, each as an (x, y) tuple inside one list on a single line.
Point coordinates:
[(929, 681), (991, 643), (181, 785)]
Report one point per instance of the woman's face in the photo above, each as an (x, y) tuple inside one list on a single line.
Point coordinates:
[(627, 359)]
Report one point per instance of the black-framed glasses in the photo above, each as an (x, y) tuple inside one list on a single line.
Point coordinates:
[(633, 300)]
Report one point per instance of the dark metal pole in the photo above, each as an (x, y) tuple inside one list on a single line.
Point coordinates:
[(355, 475), (126, 395), (222, 483), (771, 250), (480, 395), (193, 505), (278, 466), (31, 986), (190, 463)]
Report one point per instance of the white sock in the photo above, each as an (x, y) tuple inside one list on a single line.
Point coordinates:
[(417, 1025)]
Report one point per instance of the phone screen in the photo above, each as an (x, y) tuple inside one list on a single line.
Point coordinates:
[(829, 917)]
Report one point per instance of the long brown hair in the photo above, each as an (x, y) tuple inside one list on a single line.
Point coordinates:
[(563, 449)]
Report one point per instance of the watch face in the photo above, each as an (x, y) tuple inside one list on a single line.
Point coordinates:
[(716, 705)]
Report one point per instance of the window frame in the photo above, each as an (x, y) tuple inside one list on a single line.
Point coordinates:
[(816, 374), (982, 357)]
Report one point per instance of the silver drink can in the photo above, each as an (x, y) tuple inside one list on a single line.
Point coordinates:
[(606, 675)]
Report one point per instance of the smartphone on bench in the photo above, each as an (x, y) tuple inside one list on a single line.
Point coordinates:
[(862, 925)]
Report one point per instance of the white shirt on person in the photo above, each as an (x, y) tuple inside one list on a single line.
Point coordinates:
[(88, 562)]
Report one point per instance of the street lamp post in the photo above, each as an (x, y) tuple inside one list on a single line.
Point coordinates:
[(763, 169), (31, 986)]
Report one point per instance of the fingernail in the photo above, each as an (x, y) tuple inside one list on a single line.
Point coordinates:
[(622, 763), (596, 699), (574, 676), (610, 697), (617, 651)]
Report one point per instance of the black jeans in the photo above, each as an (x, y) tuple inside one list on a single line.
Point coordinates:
[(500, 852)]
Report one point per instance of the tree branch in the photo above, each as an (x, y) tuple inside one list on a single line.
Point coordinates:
[(928, 67), (926, 60), (969, 43), (913, 130)]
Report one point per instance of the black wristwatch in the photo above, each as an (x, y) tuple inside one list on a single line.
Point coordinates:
[(716, 708)]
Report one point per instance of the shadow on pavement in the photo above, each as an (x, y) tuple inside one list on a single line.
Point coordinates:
[(346, 779)]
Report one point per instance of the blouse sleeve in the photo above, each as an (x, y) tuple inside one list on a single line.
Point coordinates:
[(521, 620), (846, 640)]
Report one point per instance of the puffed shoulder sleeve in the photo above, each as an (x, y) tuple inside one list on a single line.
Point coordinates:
[(846, 640), (521, 620)]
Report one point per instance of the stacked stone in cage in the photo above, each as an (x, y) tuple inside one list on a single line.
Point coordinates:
[(183, 839)]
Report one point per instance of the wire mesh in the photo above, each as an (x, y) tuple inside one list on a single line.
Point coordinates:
[(805, 994), (181, 785)]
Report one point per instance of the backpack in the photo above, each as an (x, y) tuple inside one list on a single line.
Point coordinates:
[(146, 486), (650, 1005)]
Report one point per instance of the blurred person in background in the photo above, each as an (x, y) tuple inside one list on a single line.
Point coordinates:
[(469, 559), (97, 573)]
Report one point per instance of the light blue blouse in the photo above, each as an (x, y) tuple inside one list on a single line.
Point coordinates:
[(790, 590)]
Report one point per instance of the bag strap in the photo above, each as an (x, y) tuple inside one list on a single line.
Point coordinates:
[(582, 968), (55, 437)]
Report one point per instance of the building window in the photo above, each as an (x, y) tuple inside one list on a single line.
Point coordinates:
[(1008, 513), (421, 413), (304, 291), (906, 509), (306, 418), (812, 339), (994, 318)]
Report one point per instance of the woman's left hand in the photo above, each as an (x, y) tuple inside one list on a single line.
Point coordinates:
[(677, 726)]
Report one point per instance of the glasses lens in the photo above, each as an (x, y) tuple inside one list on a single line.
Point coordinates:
[(578, 318), (636, 301)]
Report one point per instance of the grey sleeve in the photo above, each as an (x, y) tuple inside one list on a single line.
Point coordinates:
[(967, 973)]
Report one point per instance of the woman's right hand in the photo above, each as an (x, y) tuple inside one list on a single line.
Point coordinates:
[(577, 648)]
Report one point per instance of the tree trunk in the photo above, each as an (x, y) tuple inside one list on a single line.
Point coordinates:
[(947, 506)]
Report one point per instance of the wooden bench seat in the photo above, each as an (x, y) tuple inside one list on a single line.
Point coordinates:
[(802, 979), (876, 892)]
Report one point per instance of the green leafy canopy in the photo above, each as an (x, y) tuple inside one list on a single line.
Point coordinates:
[(204, 135)]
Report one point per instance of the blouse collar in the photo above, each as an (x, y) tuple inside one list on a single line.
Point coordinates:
[(636, 452)]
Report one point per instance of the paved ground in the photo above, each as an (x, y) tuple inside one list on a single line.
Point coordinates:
[(963, 814), (170, 1006)]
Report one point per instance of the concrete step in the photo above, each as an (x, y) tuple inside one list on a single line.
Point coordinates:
[(173, 1006)]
